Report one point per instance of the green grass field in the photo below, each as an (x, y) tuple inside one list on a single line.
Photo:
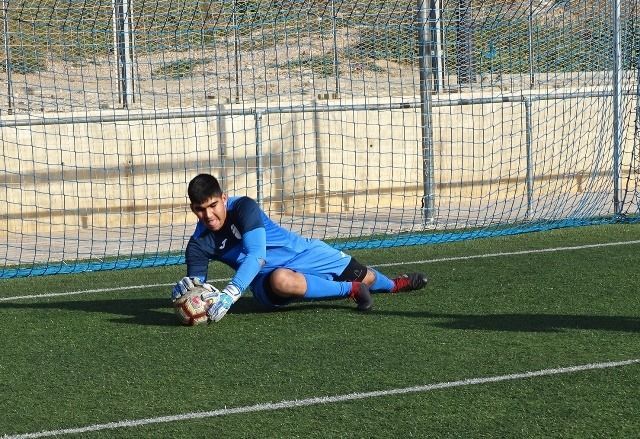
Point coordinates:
[(72, 364)]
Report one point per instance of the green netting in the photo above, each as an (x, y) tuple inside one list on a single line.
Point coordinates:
[(374, 123)]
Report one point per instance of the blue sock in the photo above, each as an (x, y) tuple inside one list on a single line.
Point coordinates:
[(382, 284), (319, 288)]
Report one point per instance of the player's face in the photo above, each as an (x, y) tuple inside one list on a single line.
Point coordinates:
[(212, 212)]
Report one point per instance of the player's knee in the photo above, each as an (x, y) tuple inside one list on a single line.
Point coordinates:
[(283, 282)]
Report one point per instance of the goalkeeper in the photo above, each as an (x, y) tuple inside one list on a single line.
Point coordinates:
[(278, 266)]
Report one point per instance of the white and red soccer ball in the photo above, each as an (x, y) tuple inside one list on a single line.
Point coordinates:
[(191, 308)]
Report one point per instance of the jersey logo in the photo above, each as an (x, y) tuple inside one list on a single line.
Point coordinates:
[(223, 244), (235, 231)]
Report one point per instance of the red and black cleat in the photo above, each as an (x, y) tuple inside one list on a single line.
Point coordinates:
[(362, 296), (409, 282)]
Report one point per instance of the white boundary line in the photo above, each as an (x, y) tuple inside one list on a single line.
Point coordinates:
[(391, 264), (522, 252), (74, 293), (270, 406)]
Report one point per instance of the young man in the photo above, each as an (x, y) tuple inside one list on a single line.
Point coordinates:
[(278, 265)]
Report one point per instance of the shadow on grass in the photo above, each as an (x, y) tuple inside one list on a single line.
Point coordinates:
[(158, 311), (538, 322), (140, 311), (515, 322)]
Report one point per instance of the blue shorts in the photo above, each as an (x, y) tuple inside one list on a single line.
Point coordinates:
[(320, 259)]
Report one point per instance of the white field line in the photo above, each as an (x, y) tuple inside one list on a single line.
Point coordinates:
[(271, 406), (97, 290), (391, 264), (522, 252)]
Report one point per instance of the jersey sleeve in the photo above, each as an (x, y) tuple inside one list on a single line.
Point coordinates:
[(197, 260), (254, 242)]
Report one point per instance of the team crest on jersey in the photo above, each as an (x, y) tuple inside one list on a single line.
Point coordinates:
[(235, 231)]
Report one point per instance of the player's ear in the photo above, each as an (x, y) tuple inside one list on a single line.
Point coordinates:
[(224, 199)]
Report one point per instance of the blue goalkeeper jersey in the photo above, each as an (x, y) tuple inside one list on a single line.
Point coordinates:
[(249, 242)]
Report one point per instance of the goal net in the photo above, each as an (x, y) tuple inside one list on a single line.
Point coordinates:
[(364, 123)]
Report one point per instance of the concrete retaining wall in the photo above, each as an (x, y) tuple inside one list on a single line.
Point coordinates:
[(113, 174)]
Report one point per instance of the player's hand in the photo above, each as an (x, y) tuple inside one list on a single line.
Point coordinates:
[(227, 297), (211, 294), (188, 283), (181, 288)]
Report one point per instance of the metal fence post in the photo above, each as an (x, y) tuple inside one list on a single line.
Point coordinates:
[(426, 110), (529, 140), (259, 165), (7, 53), (334, 31), (532, 78), (465, 63), (236, 49), (437, 53), (617, 106), (123, 50)]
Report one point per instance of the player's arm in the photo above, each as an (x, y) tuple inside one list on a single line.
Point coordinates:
[(254, 243), (197, 266)]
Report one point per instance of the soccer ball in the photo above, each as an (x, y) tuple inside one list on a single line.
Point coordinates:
[(191, 308)]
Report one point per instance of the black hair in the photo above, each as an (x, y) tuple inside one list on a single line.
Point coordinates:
[(202, 187)]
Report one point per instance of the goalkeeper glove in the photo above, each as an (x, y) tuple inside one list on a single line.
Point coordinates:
[(228, 297), (186, 284)]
